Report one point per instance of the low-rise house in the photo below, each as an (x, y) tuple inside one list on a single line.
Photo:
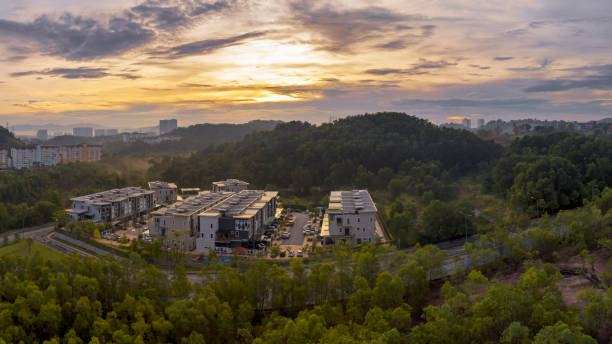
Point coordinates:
[(165, 193), (177, 225), (238, 221), (231, 185), (351, 217), (112, 205)]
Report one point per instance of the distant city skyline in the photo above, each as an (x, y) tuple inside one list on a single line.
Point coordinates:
[(133, 63)]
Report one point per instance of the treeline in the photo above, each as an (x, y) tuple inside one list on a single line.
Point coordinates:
[(547, 173), (374, 295), (364, 151), (7, 139), (31, 197), (190, 139)]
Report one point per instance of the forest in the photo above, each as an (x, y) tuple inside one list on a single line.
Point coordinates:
[(373, 295), (540, 206)]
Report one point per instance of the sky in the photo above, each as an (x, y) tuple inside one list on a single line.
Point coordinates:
[(129, 63)]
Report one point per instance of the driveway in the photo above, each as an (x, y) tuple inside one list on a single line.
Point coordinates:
[(297, 237)]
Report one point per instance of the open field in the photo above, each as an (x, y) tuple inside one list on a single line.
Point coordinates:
[(24, 249)]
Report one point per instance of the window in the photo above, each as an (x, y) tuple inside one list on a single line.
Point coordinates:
[(370, 219), (211, 225), (357, 219), (211, 236)]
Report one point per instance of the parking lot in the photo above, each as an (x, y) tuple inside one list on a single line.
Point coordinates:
[(297, 237)]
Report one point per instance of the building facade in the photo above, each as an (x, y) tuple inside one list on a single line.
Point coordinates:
[(351, 217), (230, 185), (5, 158), (82, 152), (42, 134), (177, 225), (167, 125), (237, 221), (112, 205), (165, 193), (48, 155), (23, 157), (83, 132)]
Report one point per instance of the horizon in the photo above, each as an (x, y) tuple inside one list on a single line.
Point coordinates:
[(228, 61)]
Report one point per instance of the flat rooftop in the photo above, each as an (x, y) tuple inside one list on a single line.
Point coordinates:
[(194, 204), (114, 195), (243, 204), (349, 202), (161, 185), (230, 182)]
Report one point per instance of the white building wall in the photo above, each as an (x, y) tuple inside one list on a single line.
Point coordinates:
[(5, 161), (209, 225)]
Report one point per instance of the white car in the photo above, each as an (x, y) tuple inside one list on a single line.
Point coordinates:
[(285, 235)]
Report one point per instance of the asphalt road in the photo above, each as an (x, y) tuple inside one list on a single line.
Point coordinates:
[(297, 237)]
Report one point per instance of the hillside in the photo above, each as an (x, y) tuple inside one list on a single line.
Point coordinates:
[(7, 139), (358, 151), (192, 138)]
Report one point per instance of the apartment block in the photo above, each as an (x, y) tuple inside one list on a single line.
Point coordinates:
[(230, 185), (177, 225), (82, 152), (23, 157), (48, 155), (351, 217), (236, 221), (167, 125), (83, 132), (112, 205), (5, 158), (165, 193)]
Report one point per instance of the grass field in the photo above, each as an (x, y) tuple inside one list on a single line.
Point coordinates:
[(21, 248)]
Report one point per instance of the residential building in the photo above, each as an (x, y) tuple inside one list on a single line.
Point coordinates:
[(82, 152), (177, 225), (165, 193), (231, 185), (83, 132), (42, 134), (112, 132), (48, 155), (100, 132), (481, 123), (167, 125), (112, 205), (23, 157), (5, 158), (467, 123), (237, 221), (351, 217)]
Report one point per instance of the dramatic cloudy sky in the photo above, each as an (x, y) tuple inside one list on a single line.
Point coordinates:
[(126, 63)]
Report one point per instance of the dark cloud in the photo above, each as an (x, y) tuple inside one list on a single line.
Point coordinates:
[(422, 67), (514, 102), (393, 45), (75, 73), (194, 85), (342, 28), (480, 67), (83, 38), (208, 46), (543, 64), (503, 58), (600, 82), (408, 39)]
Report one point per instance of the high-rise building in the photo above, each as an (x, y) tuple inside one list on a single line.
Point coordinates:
[(481, 122), (23, 157), (42, 134), (467, 123), (100, 132), (167, 125), (48, 155), (81, 152), (83, 132), (111, 132)]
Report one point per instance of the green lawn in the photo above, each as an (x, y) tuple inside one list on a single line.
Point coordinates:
[(21, 248)]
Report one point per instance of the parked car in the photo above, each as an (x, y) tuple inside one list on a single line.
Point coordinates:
[(283, 254), (291, 254), (300, 253), (285, 235)]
